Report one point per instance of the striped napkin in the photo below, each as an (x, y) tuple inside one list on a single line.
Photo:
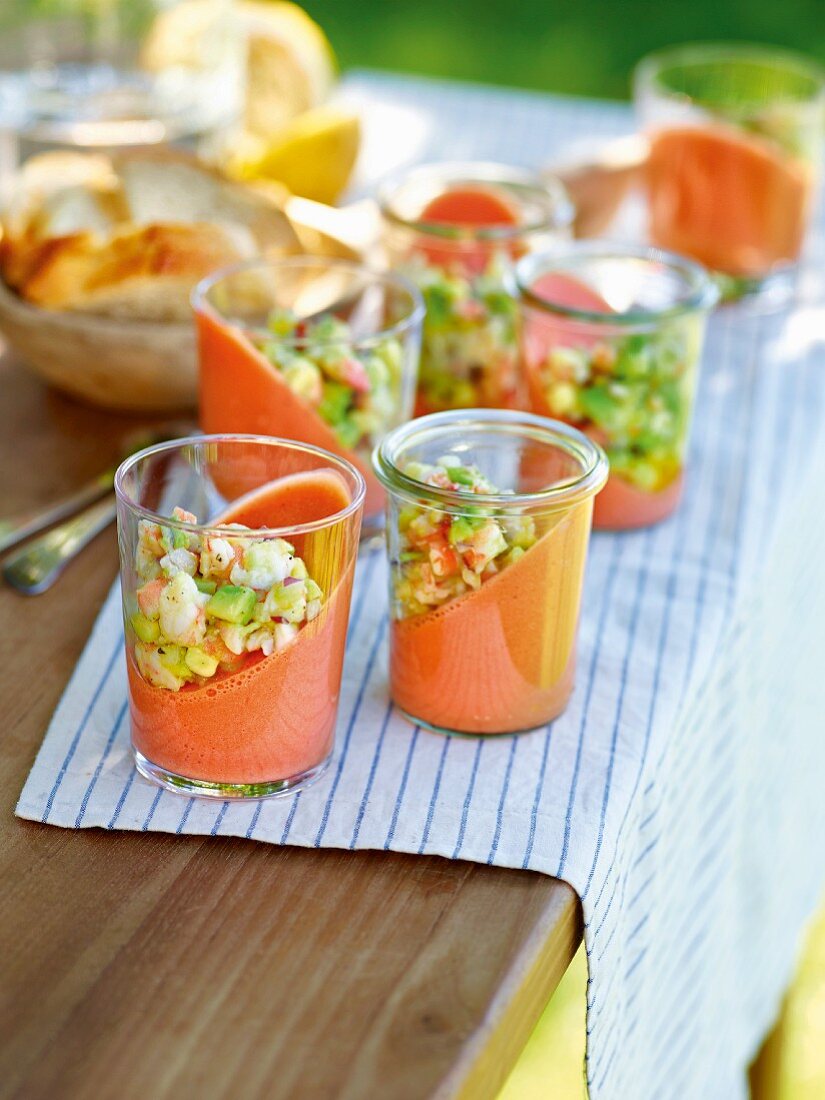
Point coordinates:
[(681, 792)]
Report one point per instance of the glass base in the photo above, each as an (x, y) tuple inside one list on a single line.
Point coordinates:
[(469, 735), (201, 788), (771, 291)]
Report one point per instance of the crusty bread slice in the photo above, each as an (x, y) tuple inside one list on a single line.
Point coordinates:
[(172, 186), (131, 235), (144, 273)]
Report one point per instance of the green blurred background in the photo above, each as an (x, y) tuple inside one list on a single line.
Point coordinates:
[(586, 48)]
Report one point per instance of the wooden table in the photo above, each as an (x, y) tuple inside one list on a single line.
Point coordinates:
[(152, 966)]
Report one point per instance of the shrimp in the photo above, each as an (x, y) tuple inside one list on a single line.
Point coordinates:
[(179, 561), (152, 668), (148, 598), (262, 639), (265, 563), (182, 615), (149, 550), (217, 557)]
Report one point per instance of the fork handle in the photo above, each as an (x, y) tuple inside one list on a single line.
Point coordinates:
[(35, 567), (17, 528)]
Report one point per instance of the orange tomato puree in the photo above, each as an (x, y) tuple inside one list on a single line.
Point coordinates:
[(500, 659), (275, 717), (620, 505), (473, 207), (240, 391), (728, 199)]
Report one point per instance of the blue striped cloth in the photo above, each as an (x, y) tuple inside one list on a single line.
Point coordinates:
[(683, 792)]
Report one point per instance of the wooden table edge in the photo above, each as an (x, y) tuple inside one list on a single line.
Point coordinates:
[(487, 1058)]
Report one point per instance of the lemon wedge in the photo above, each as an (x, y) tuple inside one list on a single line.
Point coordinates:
[(290, 65), (313, 155)]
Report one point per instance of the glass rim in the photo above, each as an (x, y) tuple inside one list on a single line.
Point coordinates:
[(200, 302), (562, 436), (224, 530), (703, 296), (693, 54), (547, 188)]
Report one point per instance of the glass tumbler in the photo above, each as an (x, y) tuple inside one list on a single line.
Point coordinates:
[(611, 342), (488, 522), (319, 350), (237, 556), (101, 73), (736, 136), (455, 230)]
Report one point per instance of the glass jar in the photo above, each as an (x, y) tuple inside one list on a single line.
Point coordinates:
[(237, 556), (455, 230), (736, 136), (319, 350), (611, 342), (488, 523)]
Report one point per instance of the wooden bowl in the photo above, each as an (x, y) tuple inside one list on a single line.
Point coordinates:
[(135, 365)]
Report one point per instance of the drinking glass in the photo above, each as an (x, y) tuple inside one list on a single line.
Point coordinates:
[(455, 230), (100, 73), (319, 350), (611, 342), (736, 135), (488, 522), (235, 634)]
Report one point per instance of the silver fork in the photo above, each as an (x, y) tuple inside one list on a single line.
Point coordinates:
[(34, 568), (17, 528)]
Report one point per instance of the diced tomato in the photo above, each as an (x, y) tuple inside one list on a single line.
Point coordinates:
[(445, 561)]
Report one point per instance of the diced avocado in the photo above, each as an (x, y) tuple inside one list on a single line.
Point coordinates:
[(200, 663), (461, 529), (329, 327), (499, 301), (279, 354), (408, 513), (205, 585), (335, 402), (232, 603), (304, 379), (412, 555), (172, 657), (600, 406), (282, 322), (393, 356), (298, 570), (377, 371), (348, 433), (461, 475), (439, 299), (146, 629), (313, 591), (522, 533), (643, 475), (634, 359), (561, 398), (513, 555)]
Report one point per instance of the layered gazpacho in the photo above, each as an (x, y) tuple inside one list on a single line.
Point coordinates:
[(629, 387), (336, 382), (235, 639), (484, 606), (458, 245)]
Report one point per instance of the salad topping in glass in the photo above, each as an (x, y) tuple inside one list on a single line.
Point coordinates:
[(208, 605), (351, 387), (443, 556)]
